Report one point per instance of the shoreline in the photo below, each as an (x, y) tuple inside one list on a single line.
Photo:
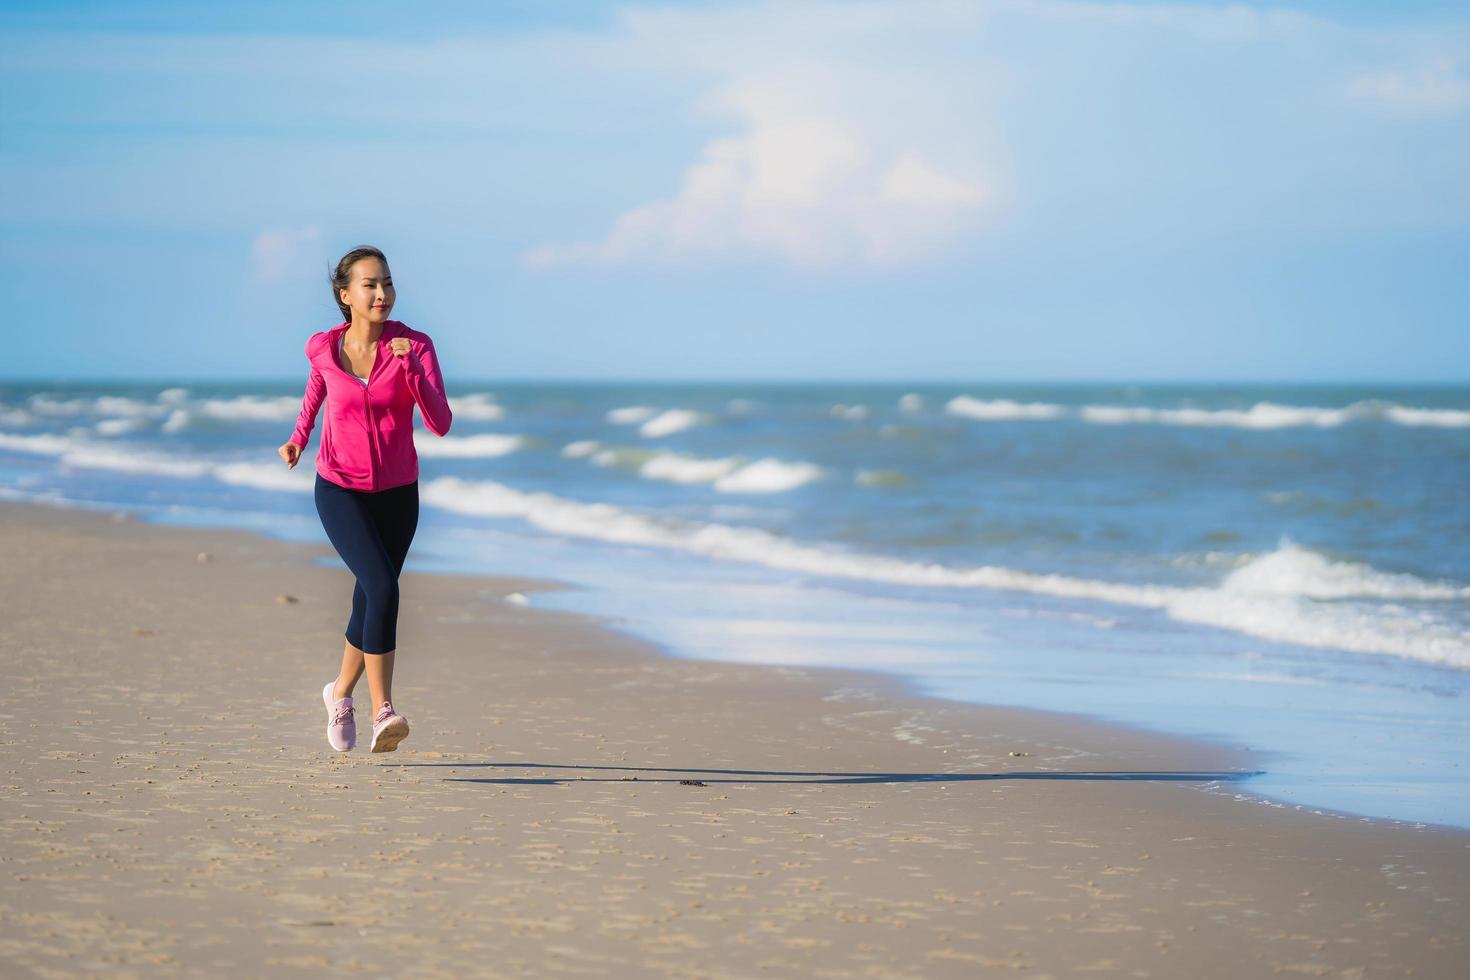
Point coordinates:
[(896, 686), (917, 794)]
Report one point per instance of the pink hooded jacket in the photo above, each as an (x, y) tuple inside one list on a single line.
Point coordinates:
[(367, 432)]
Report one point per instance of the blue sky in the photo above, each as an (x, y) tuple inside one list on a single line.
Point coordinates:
[(789, 190)]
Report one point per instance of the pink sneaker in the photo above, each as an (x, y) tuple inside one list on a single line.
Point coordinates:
[(389, 728), (341, 727)]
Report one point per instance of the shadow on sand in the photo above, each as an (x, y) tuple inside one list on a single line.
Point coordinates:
[(708, 776)]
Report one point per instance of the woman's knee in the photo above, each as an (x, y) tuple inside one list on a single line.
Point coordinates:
[(381, 592)]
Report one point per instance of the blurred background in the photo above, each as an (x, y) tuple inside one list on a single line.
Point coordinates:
[(1097, 357)]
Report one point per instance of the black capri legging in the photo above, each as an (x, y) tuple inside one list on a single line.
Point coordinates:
[(372, 532)]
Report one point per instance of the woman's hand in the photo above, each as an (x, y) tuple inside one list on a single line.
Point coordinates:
[(291, 453), (399, 346)]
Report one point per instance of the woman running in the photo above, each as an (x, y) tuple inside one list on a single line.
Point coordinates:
[(371, 371)]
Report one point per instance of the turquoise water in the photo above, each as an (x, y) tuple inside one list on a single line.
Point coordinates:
[(1280, 568)]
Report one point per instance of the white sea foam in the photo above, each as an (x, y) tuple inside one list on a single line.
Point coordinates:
[(630, 415), (854, 413), (1002, 409), (1290, 594), (467, 447), (580, 448), (81, 451), (47, 445), (1285, 611), (169, 405), (118, 427), (768, 476), (911, 403), (669, 422), (1448, 418), (681, 468), (250, 408), (267, 476), (126, 407), (1292, 570), (15, 417), (732, 474), (46, 405), (1262, 415), (123, 459), (475, 407), (1270, 415)]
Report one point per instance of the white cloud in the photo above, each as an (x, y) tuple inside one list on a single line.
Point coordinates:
[(840, 143), (278, 254), (818, 135), (807, 190), (869, 135), (1431, 89)]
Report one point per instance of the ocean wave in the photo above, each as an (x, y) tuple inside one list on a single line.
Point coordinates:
[(681, 468), (1292, 570), (117, 427), (125, 460), (1274, 596), (653, 423), (47, 445), (1290, 594), (730, 474), (266, 476), (46, 405), (467, 447), (1260, 416), (630, 414), (476, 407), (580, 448), (172, 405), (79, 451), (250, 408), (673, 420), (1002, 409), (768, 476), (176, 411), (1448, 418)]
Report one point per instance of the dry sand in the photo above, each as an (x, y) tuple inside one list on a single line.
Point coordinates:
[(172, 807)]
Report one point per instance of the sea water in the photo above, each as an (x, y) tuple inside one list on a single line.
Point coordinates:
[(1284, 569)]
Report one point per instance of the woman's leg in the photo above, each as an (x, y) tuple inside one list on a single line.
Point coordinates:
[(352, 662), (396, 514), (348, 518), (351, 670)]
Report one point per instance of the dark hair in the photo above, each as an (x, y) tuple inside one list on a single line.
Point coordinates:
[(340, 275)]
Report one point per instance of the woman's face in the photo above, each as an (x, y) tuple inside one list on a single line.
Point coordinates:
[(369, 291)]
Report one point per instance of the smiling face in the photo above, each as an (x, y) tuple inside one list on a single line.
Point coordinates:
[(369, 291)]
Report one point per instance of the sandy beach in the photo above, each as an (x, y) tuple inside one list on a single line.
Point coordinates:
[(572, 801)]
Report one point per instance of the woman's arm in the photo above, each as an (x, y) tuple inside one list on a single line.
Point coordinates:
[(316, 390), (427, 386)]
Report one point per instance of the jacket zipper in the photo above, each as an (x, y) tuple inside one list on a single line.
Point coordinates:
[(372, 440)]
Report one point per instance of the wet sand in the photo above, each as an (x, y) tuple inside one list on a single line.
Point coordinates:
[(172, 806)]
